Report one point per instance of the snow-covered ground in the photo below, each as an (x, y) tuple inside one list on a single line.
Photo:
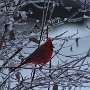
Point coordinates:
[(84, 41), (71, 28)]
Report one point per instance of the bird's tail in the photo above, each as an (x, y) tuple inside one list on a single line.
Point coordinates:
[(12, 70), (21, 64)]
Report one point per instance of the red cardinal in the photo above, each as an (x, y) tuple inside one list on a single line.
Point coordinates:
[(40, 55)]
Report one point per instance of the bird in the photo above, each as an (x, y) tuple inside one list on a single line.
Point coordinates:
[(41, 55)]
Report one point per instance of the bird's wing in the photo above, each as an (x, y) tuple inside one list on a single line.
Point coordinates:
[(39, 52)]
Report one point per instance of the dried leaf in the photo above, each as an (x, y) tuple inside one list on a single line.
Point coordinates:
[(77, 44), (1, 41), (55, 87), (12, 35), (34, 40), (18, 76), (6, 27), (20, 56), (71, 49)]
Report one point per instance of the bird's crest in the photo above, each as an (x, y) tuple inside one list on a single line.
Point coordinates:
[(49, 41)]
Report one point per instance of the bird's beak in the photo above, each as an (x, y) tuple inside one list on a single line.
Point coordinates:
[(53, 46)]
